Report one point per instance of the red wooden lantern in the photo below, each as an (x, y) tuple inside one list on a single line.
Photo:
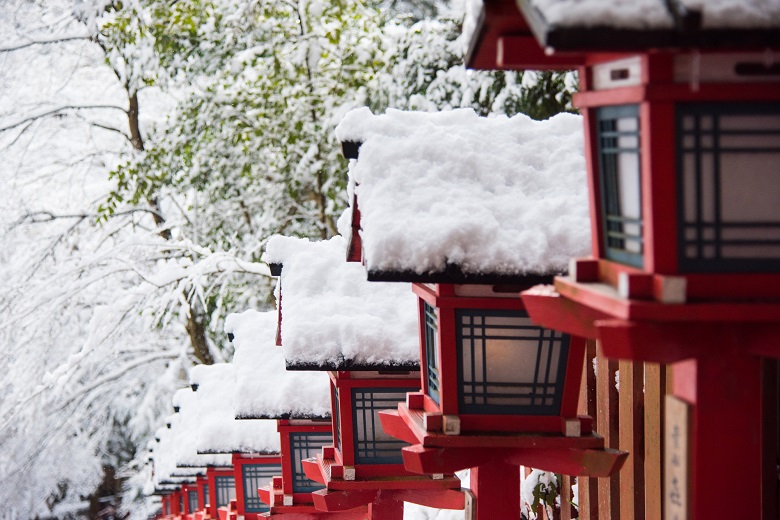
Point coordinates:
[(498, 391), (175, 500), (189, 494), (298, 401), (202, 492), (181, 451), (221, 484), (363, 334), (254, 444), (681, 109)]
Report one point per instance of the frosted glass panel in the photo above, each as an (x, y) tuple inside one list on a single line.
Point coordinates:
[(372, 444), (750, 187), (621, 186), (226, 490), (730, 183), (508, 364)]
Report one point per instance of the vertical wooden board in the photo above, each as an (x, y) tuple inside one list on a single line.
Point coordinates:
[(607, 422), (566, 497), (769, 409), (631, 407), (655, 390), (496, 487), (587, 490), (677, 459)]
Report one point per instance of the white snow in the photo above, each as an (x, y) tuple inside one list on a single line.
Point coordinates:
[(165, 452), (653, 14), (263, 387), (624, 14), (473, 11), (495, 196), (737, 13), (185, 447), (332, 314), (218, 430)]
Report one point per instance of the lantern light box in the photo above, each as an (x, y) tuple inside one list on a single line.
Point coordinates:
[(364, 335), (473, 210)]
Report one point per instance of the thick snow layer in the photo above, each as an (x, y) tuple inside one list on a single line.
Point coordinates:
[(185, 448), (165, 455), (218, 429), (472, 12), (624, 14), (331, 314), (263, 387), (493, 196), (737, 13), (653, 14)]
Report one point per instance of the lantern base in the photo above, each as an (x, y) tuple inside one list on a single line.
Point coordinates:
[(436, 452), (302, 507), (647, 330), (342, 495)]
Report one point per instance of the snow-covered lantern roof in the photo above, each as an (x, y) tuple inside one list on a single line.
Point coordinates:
[(264, 389), (254, 443), (556, 34), (457, 198), (166, 471), (219, 431), (185, 450), (331, 318)]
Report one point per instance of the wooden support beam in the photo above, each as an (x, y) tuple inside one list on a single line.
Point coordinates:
[(386, 508), (587, 490), (655, 390), (607, 421), (631, 408), (566, 497), (769, 481), (496, 487)]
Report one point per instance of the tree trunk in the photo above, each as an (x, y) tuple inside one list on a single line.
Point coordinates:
[(197, 334), (132, 117), (195, 328)]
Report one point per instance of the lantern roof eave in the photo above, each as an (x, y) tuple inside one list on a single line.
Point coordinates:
[(282, 416), (454, 274), (353, 366), (687, 28), (238, 451)]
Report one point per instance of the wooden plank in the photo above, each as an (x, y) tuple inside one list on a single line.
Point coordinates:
[(496, 487), (677, 459), (631, 408), (607, 421), (587, 490), (655, 390), (769, 480), (566, 497)]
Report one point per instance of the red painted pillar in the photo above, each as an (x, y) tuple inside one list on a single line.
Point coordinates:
[(386, 508), (496, 488), (727, 432)]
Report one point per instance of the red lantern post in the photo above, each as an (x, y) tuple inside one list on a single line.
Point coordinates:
[(681, 110)]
